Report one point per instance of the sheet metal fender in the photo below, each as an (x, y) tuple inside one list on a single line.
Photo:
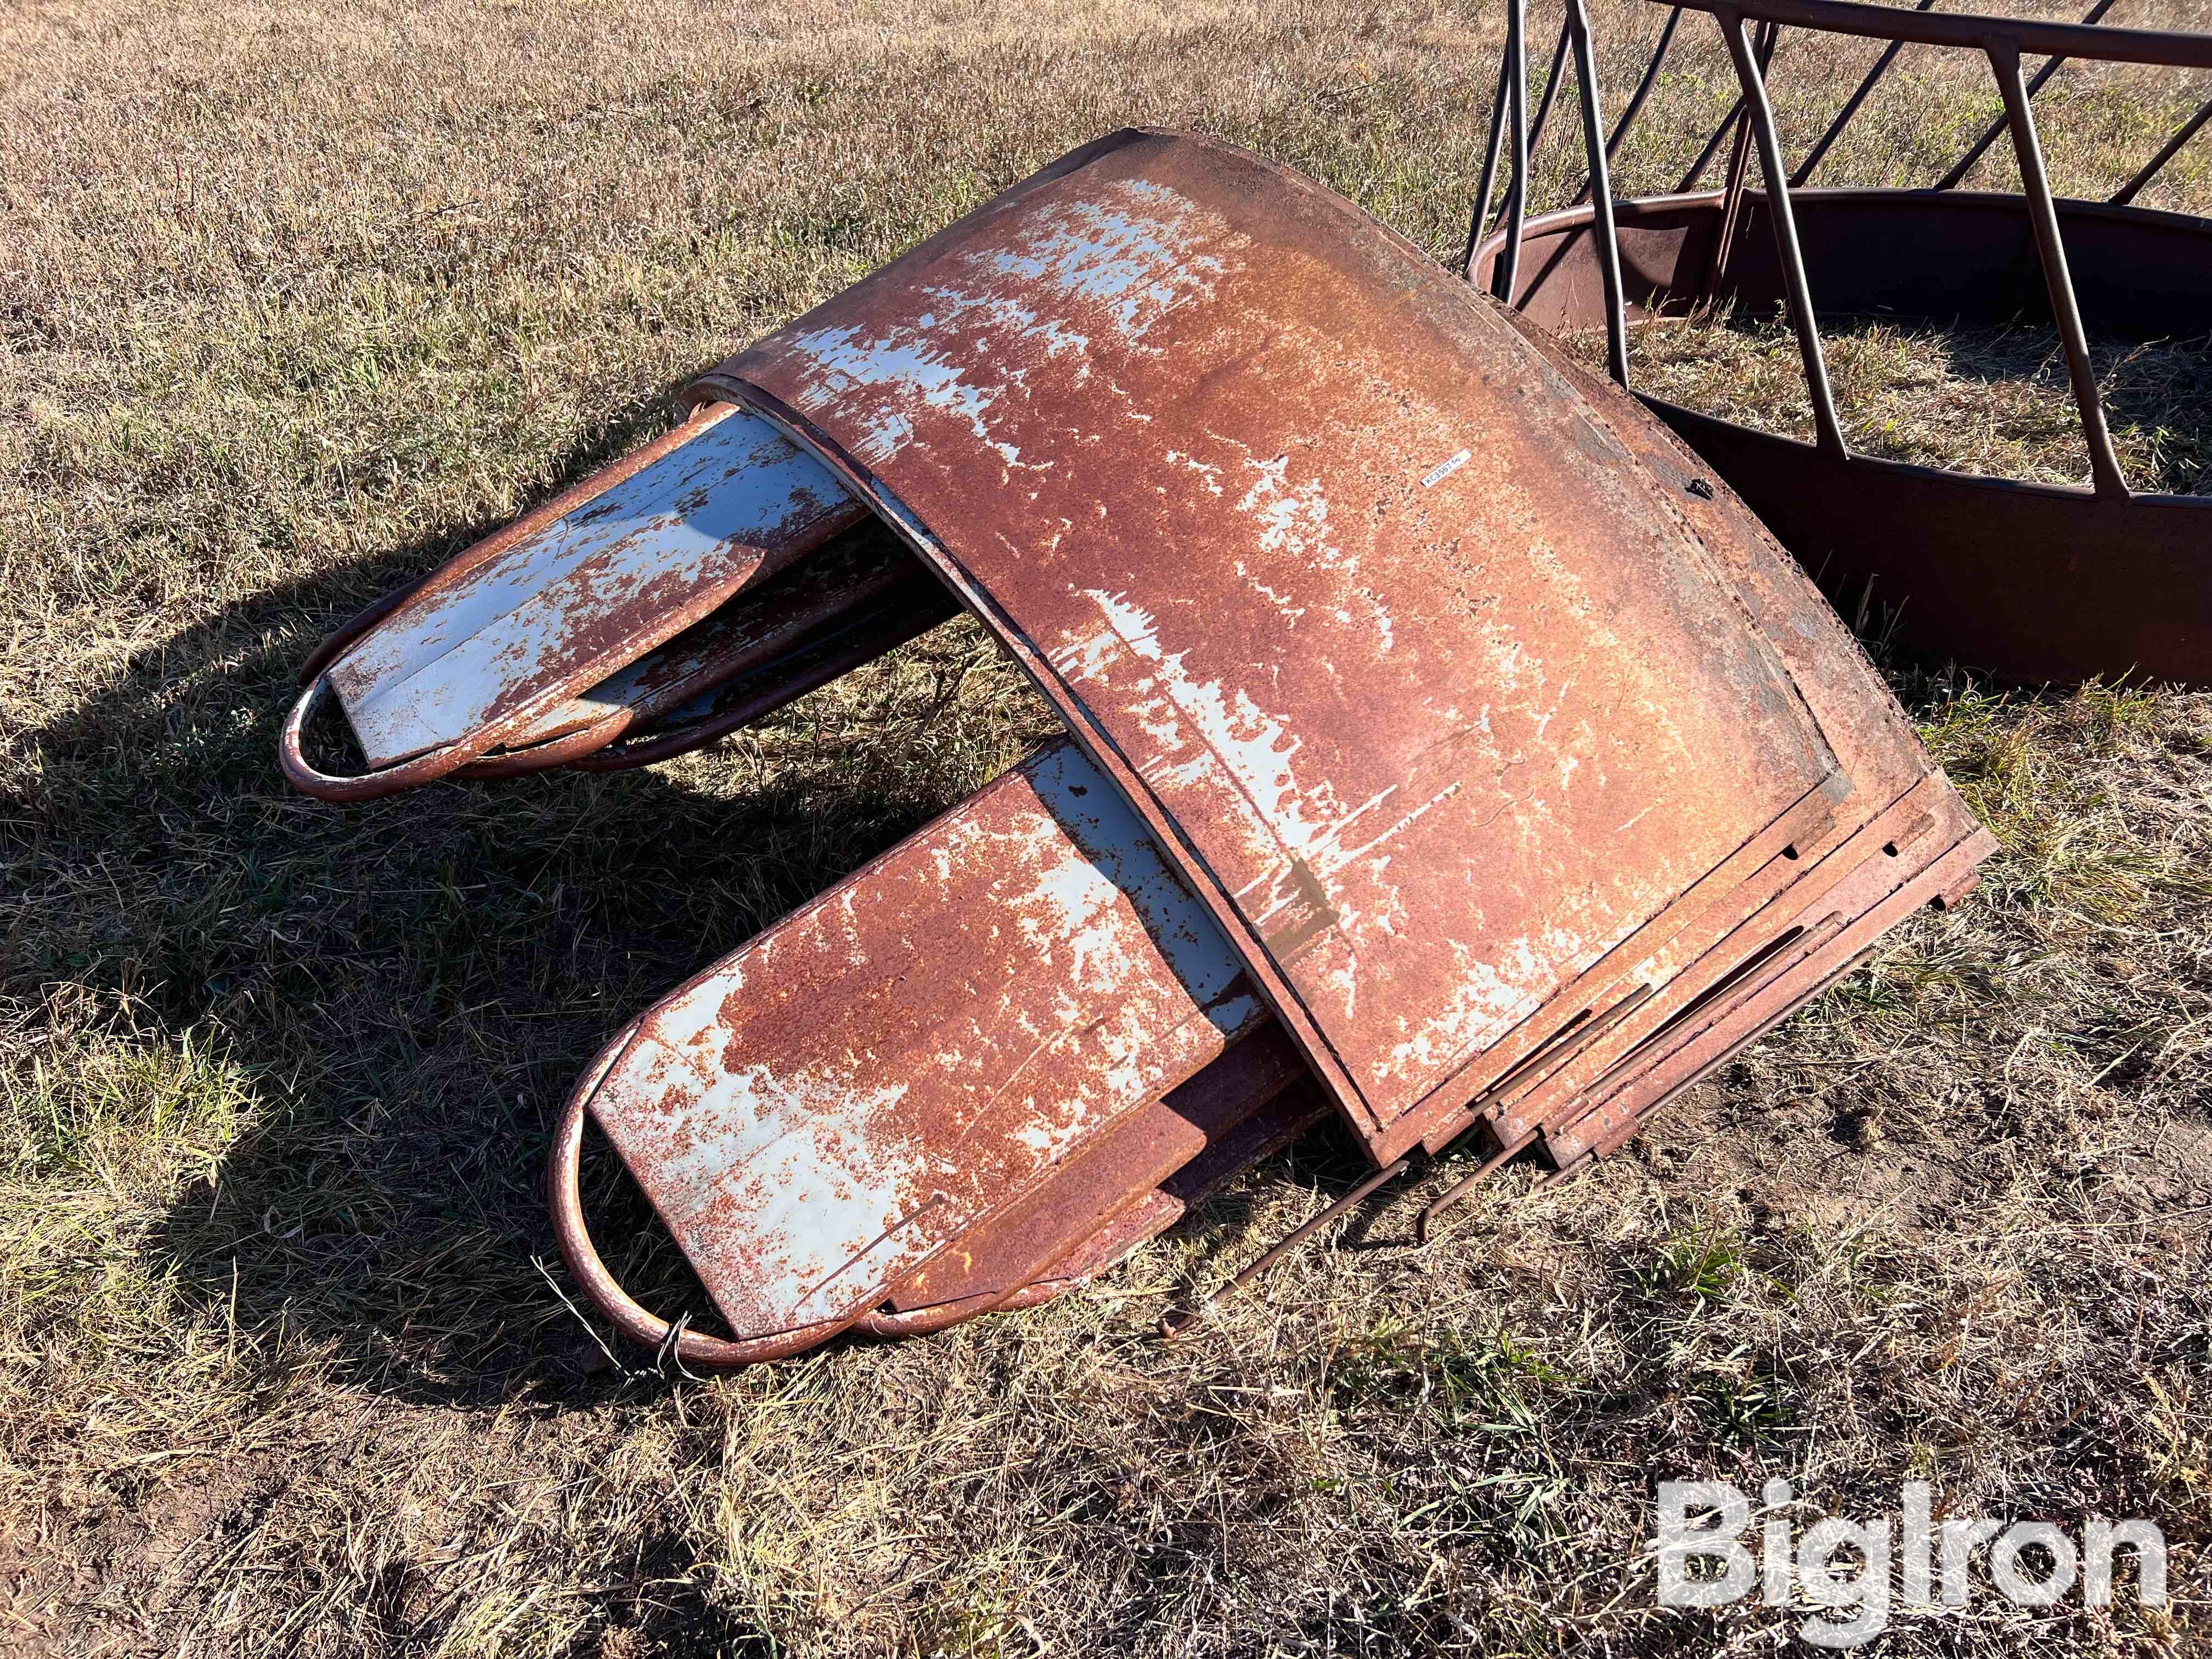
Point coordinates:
[(1421, 673)]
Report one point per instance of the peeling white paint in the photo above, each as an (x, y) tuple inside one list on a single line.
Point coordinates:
[(697, 519)]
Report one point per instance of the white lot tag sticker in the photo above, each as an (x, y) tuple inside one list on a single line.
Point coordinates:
[(1444, 470)]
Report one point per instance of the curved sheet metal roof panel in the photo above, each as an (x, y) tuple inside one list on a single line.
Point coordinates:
[(1431, 686)]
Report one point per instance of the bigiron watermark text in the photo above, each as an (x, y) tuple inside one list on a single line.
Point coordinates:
[(1855, 1573)]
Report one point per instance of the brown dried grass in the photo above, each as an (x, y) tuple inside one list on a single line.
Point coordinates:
[(297, 301)]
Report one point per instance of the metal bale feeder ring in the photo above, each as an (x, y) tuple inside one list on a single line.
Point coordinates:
[(2031, 581)]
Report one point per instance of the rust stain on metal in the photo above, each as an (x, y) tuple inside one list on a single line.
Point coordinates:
[(513, 629), (1121, 1171), (765, 623), (730, 505), (856, 634)]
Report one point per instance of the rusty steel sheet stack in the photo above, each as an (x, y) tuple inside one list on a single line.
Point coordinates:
[(1447, 752)]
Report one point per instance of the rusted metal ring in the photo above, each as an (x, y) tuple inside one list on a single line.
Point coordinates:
[(564, 1196), (303, 775)]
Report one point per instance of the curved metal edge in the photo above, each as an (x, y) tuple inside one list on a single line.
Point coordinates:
[(472, 758), (589, 488), (718, 385), (359, 623), (645, 741), (303, 775), (563, 751), (2132, 598), (890, 1324), (564, 1199)]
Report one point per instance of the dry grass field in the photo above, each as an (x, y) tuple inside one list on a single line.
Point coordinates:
[(299, 300)]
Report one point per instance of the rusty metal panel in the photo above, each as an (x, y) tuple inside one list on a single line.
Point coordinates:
[(1835, 935), (1796, 923), (1116, 1173), (1858, 714), (821, 1113), (1262, 1131), (765, 624), (1293, 1111), (854, 635), (1759, 914), (1428, 695), (1431, 688), (503, 638)]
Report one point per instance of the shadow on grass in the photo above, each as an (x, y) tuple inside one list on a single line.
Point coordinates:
[(409, 985)]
